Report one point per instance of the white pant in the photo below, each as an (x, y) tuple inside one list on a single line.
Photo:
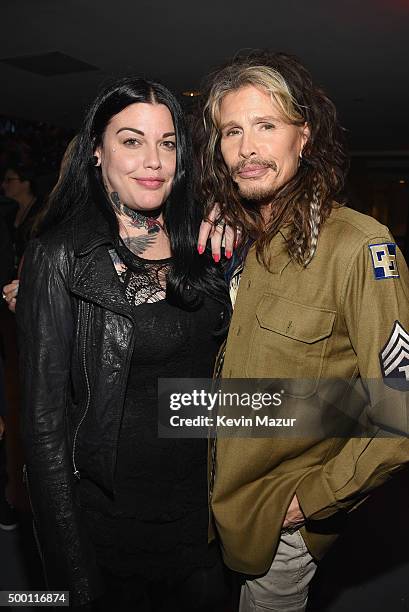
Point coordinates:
[(284, 588)]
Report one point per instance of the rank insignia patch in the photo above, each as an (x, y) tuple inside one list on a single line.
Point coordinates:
[(394, 358), (384, 260)]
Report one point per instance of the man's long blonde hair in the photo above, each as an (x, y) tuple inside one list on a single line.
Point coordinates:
[(306, 200)]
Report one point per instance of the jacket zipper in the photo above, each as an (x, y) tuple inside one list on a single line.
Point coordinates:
[(84, 363), (35, 532), (126, 370)]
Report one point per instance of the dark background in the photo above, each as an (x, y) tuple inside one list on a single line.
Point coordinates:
[(53, 56)]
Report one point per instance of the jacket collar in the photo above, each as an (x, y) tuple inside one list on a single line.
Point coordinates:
[(280, 257), (91, 228), (97, 281), (95, 278)]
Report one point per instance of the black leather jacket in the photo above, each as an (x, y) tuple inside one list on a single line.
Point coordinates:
[(76, 341)]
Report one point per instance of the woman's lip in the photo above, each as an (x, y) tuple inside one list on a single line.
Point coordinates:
[(150, 183), (253, 171)]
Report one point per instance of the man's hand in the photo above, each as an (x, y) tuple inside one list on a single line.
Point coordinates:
[(10, 294), (2, 427), (294, 517), (216, 232)]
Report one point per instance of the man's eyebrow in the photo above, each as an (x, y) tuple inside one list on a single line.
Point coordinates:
[(228, 124), (266, 118)]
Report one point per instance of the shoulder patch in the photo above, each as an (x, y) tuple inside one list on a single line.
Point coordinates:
[(394, 359), (384, 260)]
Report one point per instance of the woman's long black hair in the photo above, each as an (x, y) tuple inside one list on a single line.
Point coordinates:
[(191, 275)]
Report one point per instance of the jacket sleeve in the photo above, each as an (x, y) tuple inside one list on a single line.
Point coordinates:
[(45, 329), (376, 299)]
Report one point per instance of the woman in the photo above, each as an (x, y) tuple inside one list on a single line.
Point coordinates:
[(19, 184), (113, 296), (10, 291)]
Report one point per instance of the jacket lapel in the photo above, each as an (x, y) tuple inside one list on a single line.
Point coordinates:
[(278, 251), (95, 278), (97, 281)]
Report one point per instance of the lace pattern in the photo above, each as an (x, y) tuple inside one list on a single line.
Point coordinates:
[(144, 281)]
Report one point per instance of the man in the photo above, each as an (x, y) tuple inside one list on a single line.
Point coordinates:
[(323, 295)]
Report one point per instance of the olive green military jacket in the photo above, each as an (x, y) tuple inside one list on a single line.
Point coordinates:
[(344, 316)]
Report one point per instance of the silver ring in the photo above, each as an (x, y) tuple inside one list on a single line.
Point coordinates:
[(4, 296), (220, 224)]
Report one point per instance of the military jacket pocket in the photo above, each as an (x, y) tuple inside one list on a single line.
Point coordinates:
[(289, 341)]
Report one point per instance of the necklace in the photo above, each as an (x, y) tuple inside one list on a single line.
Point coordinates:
[(143, 220)]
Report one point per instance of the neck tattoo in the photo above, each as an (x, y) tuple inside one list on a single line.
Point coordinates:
[(138, 219)]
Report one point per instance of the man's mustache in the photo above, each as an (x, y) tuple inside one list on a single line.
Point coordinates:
[(255, 161)]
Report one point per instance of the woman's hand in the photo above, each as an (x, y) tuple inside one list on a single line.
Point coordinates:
[(10, 294), (218, 233)]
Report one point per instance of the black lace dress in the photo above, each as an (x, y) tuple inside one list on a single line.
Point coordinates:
[(156, 527)]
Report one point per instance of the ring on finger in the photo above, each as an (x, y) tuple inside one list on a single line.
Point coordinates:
[(4, 296)]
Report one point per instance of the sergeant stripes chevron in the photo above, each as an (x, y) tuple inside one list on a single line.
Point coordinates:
[(394, 353)]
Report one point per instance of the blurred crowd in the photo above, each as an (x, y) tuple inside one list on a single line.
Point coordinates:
[(30, 159)]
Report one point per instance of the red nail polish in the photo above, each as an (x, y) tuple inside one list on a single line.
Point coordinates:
[(216, 258), (228, 254), (200, 248)]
